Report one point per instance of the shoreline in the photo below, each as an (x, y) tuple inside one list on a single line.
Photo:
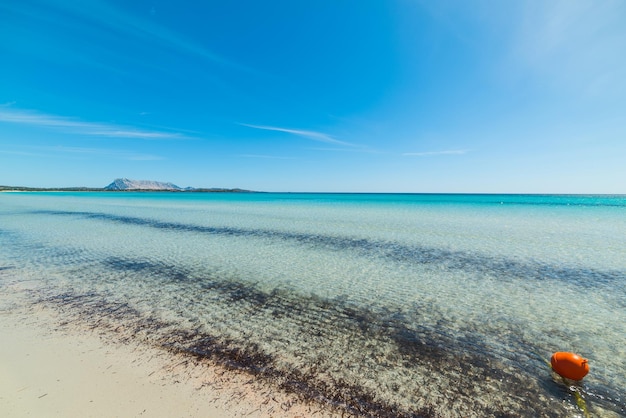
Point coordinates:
[(55, 369)]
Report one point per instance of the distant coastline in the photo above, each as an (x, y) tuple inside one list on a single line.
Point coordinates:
[(237, 190), (102, 189), (127, 185)]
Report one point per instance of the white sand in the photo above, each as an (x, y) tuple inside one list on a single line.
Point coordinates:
[(46, 371), (53, 375)]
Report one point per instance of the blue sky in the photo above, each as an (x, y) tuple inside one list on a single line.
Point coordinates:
[(355, 96)]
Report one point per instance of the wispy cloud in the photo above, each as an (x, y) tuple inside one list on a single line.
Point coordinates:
[(105, 14), (56, 151), (262, 156), (106, 25), (124, 22), (75, 126), (572, 42), (312, 135), (100, 152), (23, 153), (434, 153), (352, 150)]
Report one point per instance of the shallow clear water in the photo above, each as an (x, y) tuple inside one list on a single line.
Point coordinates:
[(384, 304)]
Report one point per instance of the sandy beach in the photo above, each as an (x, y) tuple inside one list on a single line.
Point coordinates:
[(54, 374), (51, 369)]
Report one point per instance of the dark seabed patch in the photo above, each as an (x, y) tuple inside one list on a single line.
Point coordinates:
[(97, 312), (505, 269), (467, 378), (393, 361)]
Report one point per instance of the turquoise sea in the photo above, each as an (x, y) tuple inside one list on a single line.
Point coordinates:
[(379, 304)]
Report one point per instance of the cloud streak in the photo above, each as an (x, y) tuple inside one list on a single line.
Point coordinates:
[(262, 156), (119, 154), (115, 19), (107, 14), (53, 152), (573, 43), (74, 126), (312, 135), (435, 153)]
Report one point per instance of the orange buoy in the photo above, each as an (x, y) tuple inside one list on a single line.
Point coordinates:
[(569, 365)]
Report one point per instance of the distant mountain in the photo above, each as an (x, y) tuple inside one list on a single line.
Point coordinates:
[(127, 184)]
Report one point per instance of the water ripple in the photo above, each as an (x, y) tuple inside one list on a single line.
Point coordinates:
[(451, 260)]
